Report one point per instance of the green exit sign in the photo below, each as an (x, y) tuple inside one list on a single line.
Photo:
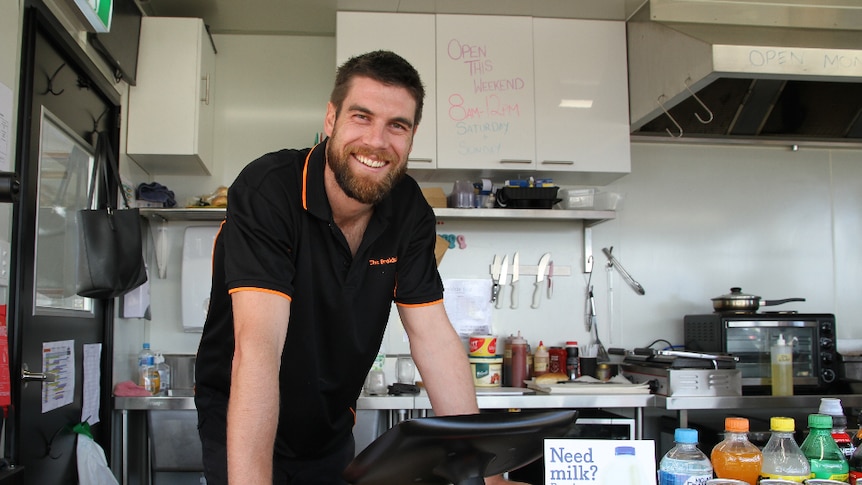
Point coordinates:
[(96, 13)]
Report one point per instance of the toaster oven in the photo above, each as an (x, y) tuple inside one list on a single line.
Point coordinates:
[(750, 337)]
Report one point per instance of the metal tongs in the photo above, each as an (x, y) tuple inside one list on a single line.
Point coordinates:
[(625, 274)]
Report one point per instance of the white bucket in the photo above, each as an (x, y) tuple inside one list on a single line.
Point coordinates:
[(487, 371)]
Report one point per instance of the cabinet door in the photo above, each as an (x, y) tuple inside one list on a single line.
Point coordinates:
[(485, 106), (170, 123), (412, 37), (581, 95)]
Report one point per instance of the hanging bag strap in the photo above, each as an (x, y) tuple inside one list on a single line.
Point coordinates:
[(100, 171)]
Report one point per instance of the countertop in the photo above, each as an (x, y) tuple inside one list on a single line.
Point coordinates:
[(421, 401), (541, 400)]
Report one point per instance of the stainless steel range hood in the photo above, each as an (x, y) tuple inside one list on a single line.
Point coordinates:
[(770, 69)]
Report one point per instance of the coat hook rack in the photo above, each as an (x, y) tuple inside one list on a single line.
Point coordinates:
[(50, 88), (702, 105), (678, 127)]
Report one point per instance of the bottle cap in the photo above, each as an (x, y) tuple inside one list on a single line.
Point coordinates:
[(736, 425), (820, 421), (831, 406), (781, 341), (685, 435), (146, 345), (624, 450), (572, 343), (782, 424)]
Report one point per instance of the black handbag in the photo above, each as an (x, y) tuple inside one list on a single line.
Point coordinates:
[(110, 247)]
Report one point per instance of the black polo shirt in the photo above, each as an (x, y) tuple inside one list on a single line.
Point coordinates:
[(279, 236)]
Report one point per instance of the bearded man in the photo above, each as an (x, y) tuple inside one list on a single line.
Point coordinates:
[(315, 246)]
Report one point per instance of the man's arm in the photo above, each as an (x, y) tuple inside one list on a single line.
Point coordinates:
[(442, 362), (440, 358), (260, 329)]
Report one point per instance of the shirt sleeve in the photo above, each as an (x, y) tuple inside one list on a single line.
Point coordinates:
[(259, 233), (418, 281)]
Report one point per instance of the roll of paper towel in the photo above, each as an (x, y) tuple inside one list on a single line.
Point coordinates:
[(197, 275)]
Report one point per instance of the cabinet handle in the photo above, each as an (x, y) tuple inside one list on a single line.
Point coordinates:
[(519, 162), (558, 162), (421, 160), (206, 97)]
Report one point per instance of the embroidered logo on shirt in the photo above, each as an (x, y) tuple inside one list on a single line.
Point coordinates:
[(378, 262)]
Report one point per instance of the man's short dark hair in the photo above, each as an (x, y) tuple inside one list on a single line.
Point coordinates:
[(382, 66)]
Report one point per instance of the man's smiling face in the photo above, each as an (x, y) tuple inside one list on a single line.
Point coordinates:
[(370, 138)]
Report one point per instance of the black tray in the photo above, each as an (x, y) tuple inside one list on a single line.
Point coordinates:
[(527, 197)]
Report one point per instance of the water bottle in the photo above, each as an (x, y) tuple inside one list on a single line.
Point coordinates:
[(623, 469), (164, 371), (824, 456), (148, 376), (736, 457), (782, 458), (684, 464)]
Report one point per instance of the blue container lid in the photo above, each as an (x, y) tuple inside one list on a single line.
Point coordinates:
[(685, 435), (624, 450)]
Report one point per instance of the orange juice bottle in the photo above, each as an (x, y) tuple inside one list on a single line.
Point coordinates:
[(736, 457)]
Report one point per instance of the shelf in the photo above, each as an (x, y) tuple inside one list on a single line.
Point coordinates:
[(201, 214), (217, 214)]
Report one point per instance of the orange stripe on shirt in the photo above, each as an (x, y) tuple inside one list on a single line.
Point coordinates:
[(262, 290), (417, 305), (305, 178)]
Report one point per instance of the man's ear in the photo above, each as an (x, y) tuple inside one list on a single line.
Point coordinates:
[(329, 120)]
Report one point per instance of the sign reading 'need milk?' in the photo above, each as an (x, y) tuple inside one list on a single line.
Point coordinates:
[(599, 462)]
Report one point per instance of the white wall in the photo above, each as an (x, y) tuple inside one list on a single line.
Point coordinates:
[(694, 221)]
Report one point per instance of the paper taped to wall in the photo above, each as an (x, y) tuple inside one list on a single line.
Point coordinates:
[(197, 275)]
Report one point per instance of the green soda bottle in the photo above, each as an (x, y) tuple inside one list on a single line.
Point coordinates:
[(826, 459)]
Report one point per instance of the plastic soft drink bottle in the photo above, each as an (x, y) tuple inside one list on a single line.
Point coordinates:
[(832, 407), (782, 458), (736, 457), (684, 464), (824, 456), (856, 467), (148, 376)]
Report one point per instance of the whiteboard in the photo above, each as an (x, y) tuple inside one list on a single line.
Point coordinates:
[(485, 103)]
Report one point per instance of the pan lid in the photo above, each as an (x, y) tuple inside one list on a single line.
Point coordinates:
[(736, 294)]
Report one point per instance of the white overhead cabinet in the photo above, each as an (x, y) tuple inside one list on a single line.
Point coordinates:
[(170, 122), (485, 107), (516, 95), (581, 96), (412, 37)]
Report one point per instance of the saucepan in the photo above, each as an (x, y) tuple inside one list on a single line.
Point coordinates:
[(737, 301)]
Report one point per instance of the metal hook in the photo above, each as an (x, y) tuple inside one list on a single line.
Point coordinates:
[(696, 115), (51, 82), (671, 118)]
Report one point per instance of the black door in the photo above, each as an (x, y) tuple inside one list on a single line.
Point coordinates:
[(51, 329)]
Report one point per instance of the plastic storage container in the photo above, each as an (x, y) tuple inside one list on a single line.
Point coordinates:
[(736, 457), (782, 368), (824, 456), (782, 458), (684, 463)]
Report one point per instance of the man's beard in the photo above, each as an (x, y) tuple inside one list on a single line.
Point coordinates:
[(363, 189)]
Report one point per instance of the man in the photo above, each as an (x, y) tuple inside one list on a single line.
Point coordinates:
[(315, 246)]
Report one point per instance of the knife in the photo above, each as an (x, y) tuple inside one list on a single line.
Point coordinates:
[(502, 280), (550, 279), (516, 261), (495, 277), (540, 277)]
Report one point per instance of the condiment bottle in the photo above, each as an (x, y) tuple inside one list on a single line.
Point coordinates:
[(507, 361), (572, 360), (782, 368), (736, 457), (556, 360), (541, 360), (824, 457), (519, 361), (782, 458)]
